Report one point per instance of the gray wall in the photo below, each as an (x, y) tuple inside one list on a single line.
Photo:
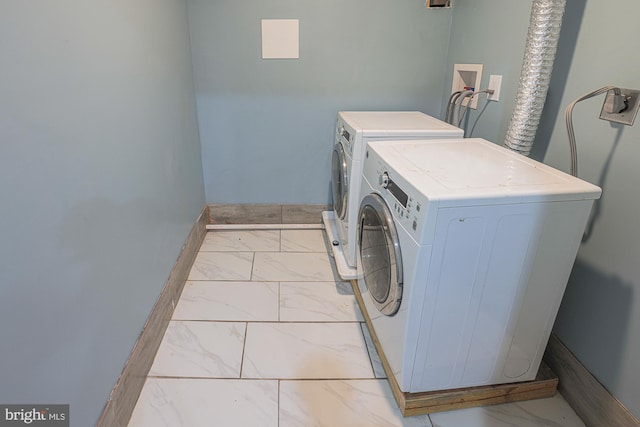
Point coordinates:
[(100, 173), (267, 125), (492, 33), (100, 183), (600, 315)]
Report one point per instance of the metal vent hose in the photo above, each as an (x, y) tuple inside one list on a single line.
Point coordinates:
[(539, 54)]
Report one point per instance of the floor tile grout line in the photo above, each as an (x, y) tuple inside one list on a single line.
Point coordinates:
[(244, 346), (332, 322), (222, 251), (246, 281), (253, 263), (173, 377), (266, 281), (329, 379), (279, 301), (306, 322), (366, 344)]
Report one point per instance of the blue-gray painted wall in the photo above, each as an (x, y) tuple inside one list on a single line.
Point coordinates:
[(599, 318), (482, 35), (100, 167), (267, 125), (600, 315), (100, 184)]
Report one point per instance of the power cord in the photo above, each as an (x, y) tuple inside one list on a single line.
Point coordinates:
[(568, 117)]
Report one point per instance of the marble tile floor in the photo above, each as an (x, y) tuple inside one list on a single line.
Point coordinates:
[(265, 334)]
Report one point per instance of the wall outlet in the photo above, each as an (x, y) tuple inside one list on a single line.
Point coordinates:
[(495, 82), (467, 76), (626, 117)]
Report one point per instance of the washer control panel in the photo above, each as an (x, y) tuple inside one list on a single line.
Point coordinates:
[(400, 197), (345, 135)]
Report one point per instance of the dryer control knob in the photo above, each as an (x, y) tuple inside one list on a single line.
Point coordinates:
[(384, 179)]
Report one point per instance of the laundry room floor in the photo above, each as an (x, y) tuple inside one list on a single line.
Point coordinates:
[(265, 334)]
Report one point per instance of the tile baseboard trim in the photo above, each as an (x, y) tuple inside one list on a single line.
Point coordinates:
[(266, 213), (124, 396), (264, 227), (589, 399)]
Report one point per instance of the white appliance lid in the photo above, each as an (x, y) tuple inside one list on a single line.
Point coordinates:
[(478, 169), (382, 123)]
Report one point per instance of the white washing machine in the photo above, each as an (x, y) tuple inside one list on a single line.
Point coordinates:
[(353, 130), (464, 252)]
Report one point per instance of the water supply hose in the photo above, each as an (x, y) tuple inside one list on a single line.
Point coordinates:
[(452, 99), (455, 116)]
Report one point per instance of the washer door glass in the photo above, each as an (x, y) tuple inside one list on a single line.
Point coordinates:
[(339, 180), (379, 254)]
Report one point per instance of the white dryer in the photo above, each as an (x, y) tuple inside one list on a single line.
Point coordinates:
[(464, 252), (353, 130)]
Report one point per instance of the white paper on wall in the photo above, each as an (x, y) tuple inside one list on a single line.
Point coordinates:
[(280, 39)]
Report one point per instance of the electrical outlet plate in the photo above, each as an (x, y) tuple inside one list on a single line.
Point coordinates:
[(495, 82), (628, 116)]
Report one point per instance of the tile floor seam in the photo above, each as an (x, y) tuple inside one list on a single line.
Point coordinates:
[(191, 377), (231, 280), (244, 346), (368, 350), (305, 322), (253, 264), (282, 378)]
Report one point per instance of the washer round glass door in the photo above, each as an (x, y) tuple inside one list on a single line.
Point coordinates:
[(379, 254), (339, 180)]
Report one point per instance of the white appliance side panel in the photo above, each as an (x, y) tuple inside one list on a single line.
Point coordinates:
[(416, 267), (508, 264), (492, 297), (559, 242), (477, 278), (450, 297)]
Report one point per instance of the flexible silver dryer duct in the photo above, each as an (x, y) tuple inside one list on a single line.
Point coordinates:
[(539, 54)]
